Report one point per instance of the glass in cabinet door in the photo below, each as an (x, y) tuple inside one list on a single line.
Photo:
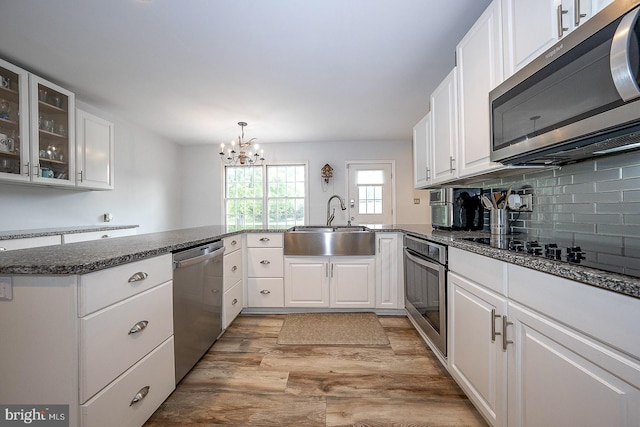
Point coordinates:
[(53, 124), (14, 130)]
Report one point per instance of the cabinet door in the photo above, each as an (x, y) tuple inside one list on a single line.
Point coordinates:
[(389, 283), (480, 65), (306, 282), (352, 282), (14, 123), (559, 377), (444, 130), (530, 27), (422, 152), (52, 112), (94, 151), (475, 355)]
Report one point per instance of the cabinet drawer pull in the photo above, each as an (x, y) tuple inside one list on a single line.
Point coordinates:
[(561, 27), (138, 327), (265, 262), (577, 15), (233, 243), (264, 239), (265, 292), (140, 395), (235, 301), (105, 236), (234, 268), (505, 341), (494, 316), (140, 275)]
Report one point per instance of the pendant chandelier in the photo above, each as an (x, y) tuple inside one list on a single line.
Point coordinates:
[(247, 153)]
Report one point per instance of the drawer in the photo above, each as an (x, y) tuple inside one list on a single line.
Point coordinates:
[(265, 262), (97, 235), (113, 405), (483, 270), (264, 240), (232, 303), (232, 269), (102, 288), (265, 292), (232, 243), (29, 242), (107, 346)]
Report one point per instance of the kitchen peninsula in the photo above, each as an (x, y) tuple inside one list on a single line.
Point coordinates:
[(68, 299)]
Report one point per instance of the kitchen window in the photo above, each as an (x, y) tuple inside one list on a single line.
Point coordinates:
[(268, 196)]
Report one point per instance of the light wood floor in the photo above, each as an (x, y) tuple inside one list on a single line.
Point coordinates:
[(247, 379)]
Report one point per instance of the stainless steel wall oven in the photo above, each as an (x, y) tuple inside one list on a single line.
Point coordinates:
[(425, 275)]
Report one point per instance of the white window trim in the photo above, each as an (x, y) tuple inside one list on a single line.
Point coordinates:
[(223, 181)]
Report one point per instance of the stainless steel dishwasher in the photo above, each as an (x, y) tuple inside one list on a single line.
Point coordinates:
[(197, 303)]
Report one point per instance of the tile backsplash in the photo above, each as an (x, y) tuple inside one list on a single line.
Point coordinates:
[(593, 204)]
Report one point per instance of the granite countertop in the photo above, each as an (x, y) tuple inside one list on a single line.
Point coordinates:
[(85, 257)]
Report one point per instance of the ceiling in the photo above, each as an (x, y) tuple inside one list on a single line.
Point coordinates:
[(295, 70)]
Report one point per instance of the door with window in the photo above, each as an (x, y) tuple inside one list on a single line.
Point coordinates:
[(371, 198)]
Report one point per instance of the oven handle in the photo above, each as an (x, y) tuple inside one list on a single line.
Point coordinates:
[(423, 261)]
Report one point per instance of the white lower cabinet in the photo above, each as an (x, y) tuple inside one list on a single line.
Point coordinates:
[(559, 377), (29, 242), (549, 352), (233, 297), (98, 235), (232, 303), (265, 292), (132, 398), (101, 343), (265, 269), (347, 282), (475, 355), (306, 281), (134, 327), (389, 272)]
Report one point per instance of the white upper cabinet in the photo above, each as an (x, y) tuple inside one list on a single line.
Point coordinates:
[(444, 130), (14, 123), (52, 136), (532, 26), (422, 152), (480, 69), (36, 129), (94, 151)]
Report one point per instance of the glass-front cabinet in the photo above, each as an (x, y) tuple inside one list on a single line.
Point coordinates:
[(52, 113), (37, 129), (14, 123)]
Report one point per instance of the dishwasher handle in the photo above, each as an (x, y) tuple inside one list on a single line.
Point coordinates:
[(195, 260)]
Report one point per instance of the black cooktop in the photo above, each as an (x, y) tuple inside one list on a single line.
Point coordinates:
[(602, 257)]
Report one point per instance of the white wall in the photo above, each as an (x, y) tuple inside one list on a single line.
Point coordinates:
[(148, 186), (202, 175)]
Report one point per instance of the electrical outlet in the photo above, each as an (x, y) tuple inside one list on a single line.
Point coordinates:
[(6, 288), (107, 217), (526, 203), (416, 201)]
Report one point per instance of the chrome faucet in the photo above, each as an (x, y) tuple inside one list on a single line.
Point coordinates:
[(332, 215)]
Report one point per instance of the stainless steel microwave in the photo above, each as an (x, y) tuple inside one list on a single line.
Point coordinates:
[(578, 100)]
